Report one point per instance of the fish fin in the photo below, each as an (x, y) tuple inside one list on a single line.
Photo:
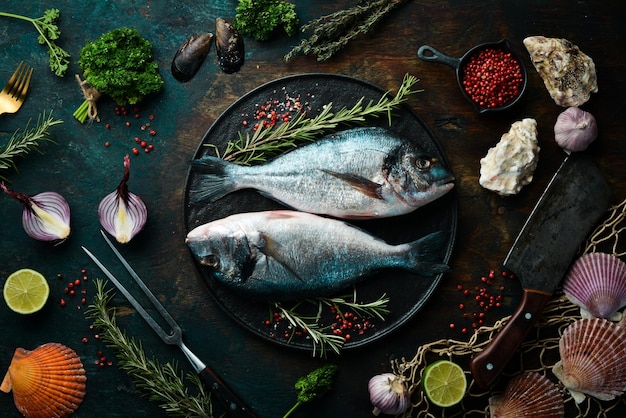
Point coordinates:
[(363, 185), (274, 250), (424, 255), (215, 181)]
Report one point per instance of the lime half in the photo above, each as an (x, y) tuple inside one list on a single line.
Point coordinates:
[(26, 291), (444, 383)]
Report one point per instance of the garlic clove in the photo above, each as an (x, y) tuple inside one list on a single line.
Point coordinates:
[(575, 130), (389, 394)]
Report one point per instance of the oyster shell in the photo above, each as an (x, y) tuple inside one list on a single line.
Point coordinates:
[(190, 56), (528, 395), (48, 381), (510, 165), (229, 46), (596, 283), (592, 359), (568, 73)]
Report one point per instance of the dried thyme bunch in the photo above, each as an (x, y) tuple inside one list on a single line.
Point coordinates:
[(27, 140), (330, 33), (162, 383)]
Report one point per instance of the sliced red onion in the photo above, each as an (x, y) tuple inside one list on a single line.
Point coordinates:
[(46, 216), (122, 213)]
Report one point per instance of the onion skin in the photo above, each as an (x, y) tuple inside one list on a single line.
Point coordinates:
[(46, 216), (388, 393), (121, 213), (575, 130)]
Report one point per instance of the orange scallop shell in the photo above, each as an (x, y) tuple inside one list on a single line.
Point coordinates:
[(592, 359), (528, 395), (48, 381)]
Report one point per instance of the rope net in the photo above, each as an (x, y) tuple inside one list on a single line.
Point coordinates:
[(539, 353)]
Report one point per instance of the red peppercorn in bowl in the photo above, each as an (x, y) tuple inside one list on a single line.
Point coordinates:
[(490, 76)]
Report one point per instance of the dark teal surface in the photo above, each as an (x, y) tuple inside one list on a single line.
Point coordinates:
[(81, 168)]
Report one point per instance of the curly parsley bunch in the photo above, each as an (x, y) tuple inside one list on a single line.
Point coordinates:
[(260, 18)]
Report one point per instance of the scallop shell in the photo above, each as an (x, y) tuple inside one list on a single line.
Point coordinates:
[(568, 74), (528, 395), (596, 283), (48, 381), (592, 359)]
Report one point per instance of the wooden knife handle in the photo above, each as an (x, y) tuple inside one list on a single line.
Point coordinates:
[(233, 405), (487, 365)]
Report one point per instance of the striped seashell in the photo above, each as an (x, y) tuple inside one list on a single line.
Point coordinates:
[(47, 382), (596, 283), (528, 395), (592, 359)]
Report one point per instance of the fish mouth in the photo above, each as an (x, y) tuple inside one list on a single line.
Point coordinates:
[(446, 182)]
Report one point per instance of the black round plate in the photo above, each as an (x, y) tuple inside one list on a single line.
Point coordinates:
[(407, 292)]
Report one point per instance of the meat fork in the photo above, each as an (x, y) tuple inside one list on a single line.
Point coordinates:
[(233, 405), (14, 92)]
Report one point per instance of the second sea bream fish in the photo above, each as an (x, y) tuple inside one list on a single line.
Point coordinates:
[(361, 173), (289, 255)]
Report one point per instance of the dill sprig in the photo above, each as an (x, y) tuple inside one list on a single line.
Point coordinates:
[(270, 140), (162, 383), (330, 33), (27, 140), (321, 335)]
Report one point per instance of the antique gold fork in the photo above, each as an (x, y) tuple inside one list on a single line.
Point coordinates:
[(13, 94)]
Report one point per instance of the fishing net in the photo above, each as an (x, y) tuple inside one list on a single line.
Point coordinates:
[(539, 353)]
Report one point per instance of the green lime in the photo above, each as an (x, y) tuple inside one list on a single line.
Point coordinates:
[(444, 383), (26, 291)]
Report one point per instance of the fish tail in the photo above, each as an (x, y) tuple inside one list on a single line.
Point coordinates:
[(216, 180), (424, 255)]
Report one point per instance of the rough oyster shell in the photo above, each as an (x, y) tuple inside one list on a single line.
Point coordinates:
[(48, 381), (592, 359), (510, 165), (596, 283), (528, 395), (568, 74)]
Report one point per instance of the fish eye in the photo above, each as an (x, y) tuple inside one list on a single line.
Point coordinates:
[(424, 163), (211, 260)]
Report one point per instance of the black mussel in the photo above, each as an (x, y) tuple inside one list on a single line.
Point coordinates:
[(229, 46), (190, 56)]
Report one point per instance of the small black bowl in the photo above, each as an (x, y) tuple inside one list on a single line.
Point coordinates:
[(430, 54)]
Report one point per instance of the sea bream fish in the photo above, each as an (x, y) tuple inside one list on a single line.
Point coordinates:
[(289, 255), (368, 172)]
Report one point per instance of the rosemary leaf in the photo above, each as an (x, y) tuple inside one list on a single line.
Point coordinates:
[(27, 140), (161, 383), (330, 33), (265, 142)]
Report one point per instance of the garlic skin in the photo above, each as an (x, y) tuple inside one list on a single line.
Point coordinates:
[(388, 394), (575, 130)]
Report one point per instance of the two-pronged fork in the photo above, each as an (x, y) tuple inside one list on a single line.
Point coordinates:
[(233, 405), (14, 92)]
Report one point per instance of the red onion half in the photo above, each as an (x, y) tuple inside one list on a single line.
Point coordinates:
[(46, 216), (122, 213)]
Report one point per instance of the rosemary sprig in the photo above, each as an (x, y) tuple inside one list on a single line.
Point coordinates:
[(271, 140), (330, 33), (27, 140), (322, 337), (162, 383)]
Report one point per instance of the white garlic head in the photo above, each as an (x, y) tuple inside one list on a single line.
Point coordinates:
[(388, 394), (575, 129)]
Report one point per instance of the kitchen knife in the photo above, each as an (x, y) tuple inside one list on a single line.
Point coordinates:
[(574, 201)]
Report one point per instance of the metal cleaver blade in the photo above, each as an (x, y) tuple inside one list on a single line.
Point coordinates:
[(573, 203)]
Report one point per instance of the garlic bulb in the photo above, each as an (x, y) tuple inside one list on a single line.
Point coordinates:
[(388, 394), (575, 129)]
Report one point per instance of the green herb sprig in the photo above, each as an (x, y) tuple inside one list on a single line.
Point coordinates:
[(261, 18), (332, 32), (49, 33), (321, 335), (162, 383), (271, 140), (27, 140), (313, 385)]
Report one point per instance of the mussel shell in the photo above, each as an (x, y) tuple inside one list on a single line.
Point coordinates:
[(229, 46), (190, 56)]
